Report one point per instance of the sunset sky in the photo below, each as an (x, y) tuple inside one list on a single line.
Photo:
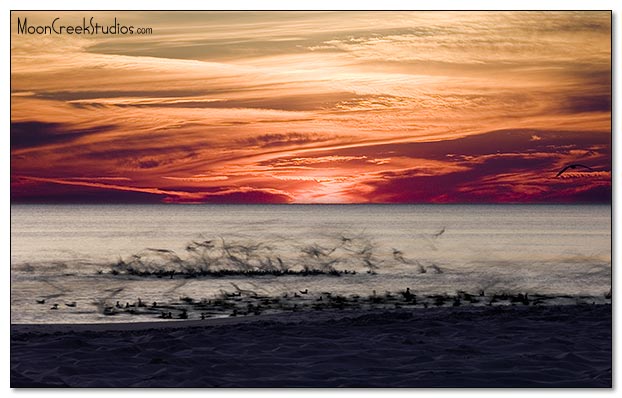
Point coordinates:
[(313, 107)]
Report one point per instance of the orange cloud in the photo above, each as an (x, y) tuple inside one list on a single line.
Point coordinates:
[(314, 107)]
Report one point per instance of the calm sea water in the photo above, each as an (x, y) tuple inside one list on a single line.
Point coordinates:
[(57, 251)]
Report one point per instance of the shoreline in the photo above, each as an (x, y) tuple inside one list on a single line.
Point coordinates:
[(244, 303), (512, 346), (282, 317)]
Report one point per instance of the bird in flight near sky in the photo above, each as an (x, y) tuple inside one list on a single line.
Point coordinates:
[(572, 166)]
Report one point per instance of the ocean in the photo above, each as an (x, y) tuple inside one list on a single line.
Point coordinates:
[(65, 254)]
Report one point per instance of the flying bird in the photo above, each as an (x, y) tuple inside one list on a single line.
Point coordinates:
[(439, 233), (399, 256), (573, 166)]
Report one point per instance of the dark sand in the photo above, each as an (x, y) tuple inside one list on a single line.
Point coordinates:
[(505, 346)]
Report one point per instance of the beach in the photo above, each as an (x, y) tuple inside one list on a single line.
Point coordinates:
[(497, 346), (352, 296)]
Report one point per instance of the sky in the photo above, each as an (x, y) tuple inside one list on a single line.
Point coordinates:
[(313, 107)]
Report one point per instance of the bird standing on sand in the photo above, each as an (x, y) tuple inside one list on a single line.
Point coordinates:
[(408, 295), (109, 311), (573, 166)]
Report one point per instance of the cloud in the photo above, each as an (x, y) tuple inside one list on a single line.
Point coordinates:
[(56, 191), (238, 195), (587, 103), (306, 102), (503, 166), (25, 190), (33, 134), (308, 107), (285, 139)]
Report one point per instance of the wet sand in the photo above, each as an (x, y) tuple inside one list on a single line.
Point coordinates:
[(503, 346)]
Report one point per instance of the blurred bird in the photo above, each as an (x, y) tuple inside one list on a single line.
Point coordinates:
[(573, 166), (399, 256), (439, 233)]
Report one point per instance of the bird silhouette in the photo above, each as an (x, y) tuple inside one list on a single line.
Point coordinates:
[(439, 233), (573, 166), (399, 256)]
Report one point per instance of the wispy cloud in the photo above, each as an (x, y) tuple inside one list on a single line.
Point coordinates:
[(314, 107)]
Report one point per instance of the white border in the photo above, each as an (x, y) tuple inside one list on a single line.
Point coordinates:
[(314, 5), (298, 5)]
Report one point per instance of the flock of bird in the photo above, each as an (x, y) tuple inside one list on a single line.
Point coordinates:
[(72, 304), (247, 302)]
